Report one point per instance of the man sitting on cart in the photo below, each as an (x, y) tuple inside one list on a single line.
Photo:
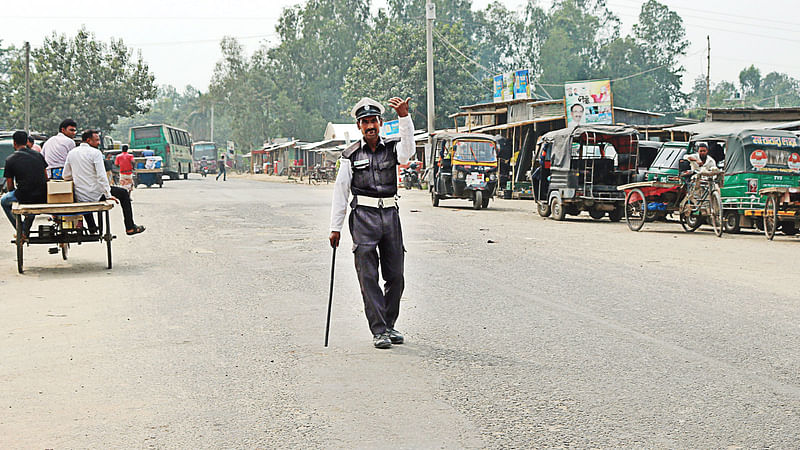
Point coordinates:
[(84, 166), (28, 168)]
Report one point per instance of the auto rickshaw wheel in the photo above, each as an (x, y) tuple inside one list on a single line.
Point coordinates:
[(770, 217), (557, 209), (597, 214), (434, 199), (64, 249), (788, 228), (731, 222), (543, 208), (716, 213), (485, 203), (477, 200), (635, 209)]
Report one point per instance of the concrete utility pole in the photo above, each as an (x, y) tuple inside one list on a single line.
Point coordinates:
[(27, 87), (212, 123), (708, 77), (430, 16)]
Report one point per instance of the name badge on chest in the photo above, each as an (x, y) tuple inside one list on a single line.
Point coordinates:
[(361, 164)]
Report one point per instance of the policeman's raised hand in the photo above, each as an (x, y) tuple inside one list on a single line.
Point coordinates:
[(334, 238), (400, 105)]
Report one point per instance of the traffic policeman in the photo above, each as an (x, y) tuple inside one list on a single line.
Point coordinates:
[(368, 170)]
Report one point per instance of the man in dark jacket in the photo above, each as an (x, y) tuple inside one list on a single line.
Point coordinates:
[(26, 179)]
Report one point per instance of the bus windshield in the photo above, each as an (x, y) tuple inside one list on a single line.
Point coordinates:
[(207, 150), (147, 132), (476, 151)]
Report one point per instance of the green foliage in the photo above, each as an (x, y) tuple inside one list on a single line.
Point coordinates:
[(91, 81)]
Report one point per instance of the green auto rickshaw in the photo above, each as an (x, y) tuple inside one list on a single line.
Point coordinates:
[(753, 160)]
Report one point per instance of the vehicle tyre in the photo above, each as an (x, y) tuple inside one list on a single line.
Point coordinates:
[(557, 209), (434, 199), (616, 215), (485, 203), (108, 251), (789, 228), (477, 200), (650, 216), (689, 221), (64, 248), (19, 244), (731, 222), (597, 214), (716, 213), (186, 176), (572, 210), (543, 209), (770, 217), (635, 209), (407, 183)]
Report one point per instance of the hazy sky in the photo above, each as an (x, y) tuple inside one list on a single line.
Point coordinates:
[(179, 39)]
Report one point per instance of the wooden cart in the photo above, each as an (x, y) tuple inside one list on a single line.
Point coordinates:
[(782, 208), (646, 200), (65, 228)]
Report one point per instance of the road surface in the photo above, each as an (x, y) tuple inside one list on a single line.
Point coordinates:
[(521, 332)]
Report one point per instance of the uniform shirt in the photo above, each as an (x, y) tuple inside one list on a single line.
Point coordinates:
[(341, 190), (84, 166), (125, 162), (27, 168), (55, 150)]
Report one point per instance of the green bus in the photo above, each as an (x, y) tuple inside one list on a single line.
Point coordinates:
[(172, 144)]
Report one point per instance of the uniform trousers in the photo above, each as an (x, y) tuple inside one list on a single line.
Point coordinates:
[(378, 241)]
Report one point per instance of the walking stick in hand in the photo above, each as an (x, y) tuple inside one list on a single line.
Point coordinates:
[(330, 296)]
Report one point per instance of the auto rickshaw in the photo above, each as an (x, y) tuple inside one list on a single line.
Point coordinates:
[(753, 161), (665, 166), (464, 166), (582, 168)]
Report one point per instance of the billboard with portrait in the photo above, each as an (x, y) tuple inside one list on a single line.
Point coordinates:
[(588, 102)]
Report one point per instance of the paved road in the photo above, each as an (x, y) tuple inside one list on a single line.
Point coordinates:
[(208, 332)]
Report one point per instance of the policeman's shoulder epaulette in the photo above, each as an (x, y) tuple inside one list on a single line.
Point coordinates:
[(350, 150)]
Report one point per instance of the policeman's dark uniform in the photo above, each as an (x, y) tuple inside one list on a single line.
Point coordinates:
[(374, 224)]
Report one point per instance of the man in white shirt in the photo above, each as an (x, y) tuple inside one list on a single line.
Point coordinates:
[(368, 169), (84, 166), (701, 160), (56, 148)]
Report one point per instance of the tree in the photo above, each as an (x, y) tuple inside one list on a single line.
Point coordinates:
[(750, 81), (393, 63), (93, 82)]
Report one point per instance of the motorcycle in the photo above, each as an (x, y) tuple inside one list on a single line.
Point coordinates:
[(411, 176), (204, 170)]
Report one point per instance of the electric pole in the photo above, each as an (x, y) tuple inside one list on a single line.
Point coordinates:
[(430, 16), (212, 123), (27, 87), (708, 77)]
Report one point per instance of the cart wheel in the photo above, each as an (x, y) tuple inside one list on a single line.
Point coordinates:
[(19, 244), (635, 209), (477, 200), (731, 222), (557, 209), (64, 248), (108, 251), (716, 213), (770, 217), (689, 221), (543, 208), (434, 199)]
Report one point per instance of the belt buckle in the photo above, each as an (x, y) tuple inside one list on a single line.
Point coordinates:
[(380, 203)]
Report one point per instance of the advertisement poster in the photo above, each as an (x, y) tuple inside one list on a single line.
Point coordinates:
[(498, 88), (588, 102), (521, 84), (508, 86)]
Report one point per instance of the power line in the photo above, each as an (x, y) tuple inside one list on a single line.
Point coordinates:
[(200, 41), (481, 83), (716, 14)]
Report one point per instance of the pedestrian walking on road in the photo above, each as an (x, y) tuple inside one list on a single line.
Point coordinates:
[(221, 168), (368, 170), (125, 163)]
